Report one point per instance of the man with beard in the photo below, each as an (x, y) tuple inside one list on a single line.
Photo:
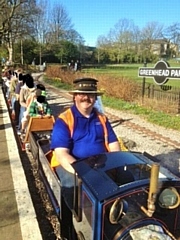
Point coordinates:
[(79, 132)]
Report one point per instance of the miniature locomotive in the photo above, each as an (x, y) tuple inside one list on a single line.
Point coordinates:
[(118, 195)]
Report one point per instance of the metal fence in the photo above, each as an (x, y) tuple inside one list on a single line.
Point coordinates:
[(166, 94)]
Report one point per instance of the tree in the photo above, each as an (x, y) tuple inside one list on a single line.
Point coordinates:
[(120, 41), (149, 34), (173, 34), (58, 24), (54, 32), (125, 32), (7, 9), (65, 51), (30, 47), (100, 50), (17, 23), (41, 28)]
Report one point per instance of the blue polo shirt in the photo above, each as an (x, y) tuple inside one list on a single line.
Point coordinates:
[(87, 138)]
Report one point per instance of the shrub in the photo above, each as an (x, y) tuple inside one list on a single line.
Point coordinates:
[(122, 88), (116, 87)]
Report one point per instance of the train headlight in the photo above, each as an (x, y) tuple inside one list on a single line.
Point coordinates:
[(118, 210), (169, 198)]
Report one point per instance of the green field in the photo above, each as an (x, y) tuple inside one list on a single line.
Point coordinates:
[(130, 71)]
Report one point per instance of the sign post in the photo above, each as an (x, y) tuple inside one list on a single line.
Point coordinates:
[(143, 84)]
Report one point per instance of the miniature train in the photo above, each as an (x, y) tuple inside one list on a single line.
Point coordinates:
[(119, 195)]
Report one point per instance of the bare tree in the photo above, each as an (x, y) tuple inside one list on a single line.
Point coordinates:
[(121, 39), (59, 23), (103, 44), (41, 21), (59, 29), (173, 34), (41, 27), (74, 37), (7, 9), (151, 32)]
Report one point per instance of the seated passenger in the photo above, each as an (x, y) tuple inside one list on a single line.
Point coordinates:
[(17, 106), (40, 107), (26, 90), (6, 76), (37, 107), (79, 132), (12, 90), (71, 145), (40, 86)]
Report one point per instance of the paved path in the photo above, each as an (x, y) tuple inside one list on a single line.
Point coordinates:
[(17, 216)]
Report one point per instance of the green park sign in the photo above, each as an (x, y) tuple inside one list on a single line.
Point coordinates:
[(161, 72)]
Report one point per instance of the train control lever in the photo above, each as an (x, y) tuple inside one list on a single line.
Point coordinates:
[(153, 188)]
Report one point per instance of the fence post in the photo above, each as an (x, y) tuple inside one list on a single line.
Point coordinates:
[(179, 104), (149, 90), (1, 80)]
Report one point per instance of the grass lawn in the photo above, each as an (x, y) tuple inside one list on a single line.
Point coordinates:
[(130, 71)]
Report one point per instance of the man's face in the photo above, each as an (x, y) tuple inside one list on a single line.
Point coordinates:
[(85, 100)]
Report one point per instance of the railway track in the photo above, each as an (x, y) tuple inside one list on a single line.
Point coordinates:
[(152, 134)]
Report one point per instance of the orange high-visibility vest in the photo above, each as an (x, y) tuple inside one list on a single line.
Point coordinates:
[(68, 118)]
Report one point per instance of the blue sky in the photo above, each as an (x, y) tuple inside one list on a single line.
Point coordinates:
[(92, 18)]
